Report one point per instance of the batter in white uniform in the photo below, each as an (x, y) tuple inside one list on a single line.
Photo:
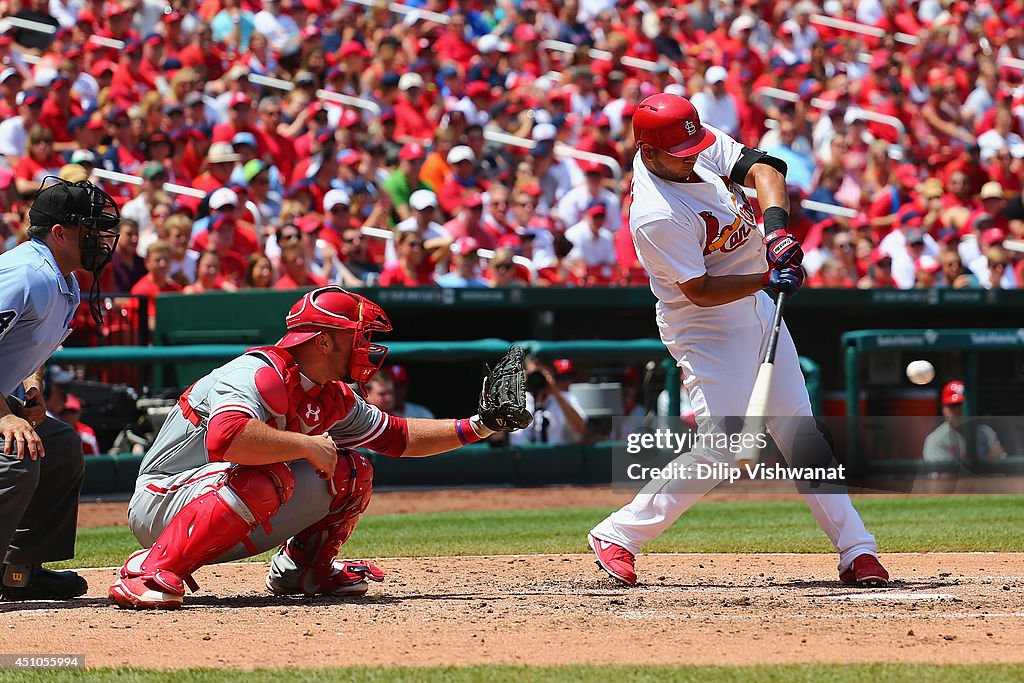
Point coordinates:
[(695, 233)]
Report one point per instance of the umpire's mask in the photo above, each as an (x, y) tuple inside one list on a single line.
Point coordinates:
[(86, 206)]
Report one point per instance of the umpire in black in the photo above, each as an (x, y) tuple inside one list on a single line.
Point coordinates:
[(73, 227)]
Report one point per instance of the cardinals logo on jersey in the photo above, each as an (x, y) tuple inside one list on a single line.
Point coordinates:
[(734, 235)]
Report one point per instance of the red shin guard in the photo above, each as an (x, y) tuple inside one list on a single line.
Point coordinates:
[(316, 547), (214, 523)]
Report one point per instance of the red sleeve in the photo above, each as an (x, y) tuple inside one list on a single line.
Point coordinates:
[(222, 430), (393, 441)]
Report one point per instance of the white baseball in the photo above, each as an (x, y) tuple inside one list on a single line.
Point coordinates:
[(920, 372)]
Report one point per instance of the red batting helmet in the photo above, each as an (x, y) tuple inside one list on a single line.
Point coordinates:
[(670, 123), (953, 393), (335, 308)]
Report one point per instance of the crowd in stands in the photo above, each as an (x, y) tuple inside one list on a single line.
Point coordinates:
[(409, 185)]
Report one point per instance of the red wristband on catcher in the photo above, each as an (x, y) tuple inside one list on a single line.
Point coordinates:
[(464, 430)]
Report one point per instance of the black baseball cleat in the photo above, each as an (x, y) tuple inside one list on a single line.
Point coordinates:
[(46, 584)]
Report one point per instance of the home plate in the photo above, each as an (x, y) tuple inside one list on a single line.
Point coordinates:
[(892, 596)]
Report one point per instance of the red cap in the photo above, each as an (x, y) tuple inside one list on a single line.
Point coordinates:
[(349, 118), (171, 17), (511, 241), (472, 199), (240, 98), (113, 9), (670, 123), (564, 366), (399, 374), (525, 33), (927, 264), (101, 66), (993, 236), (71, 402), (937, 77), (909, 216), (466, 245), (412, 151), (349, 157), (599, 120), (309, 223), (478, 89), (532, 189), (353, 48), (909, 176), (953, 393)]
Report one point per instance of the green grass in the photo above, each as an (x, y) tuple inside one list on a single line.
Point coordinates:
[(801, 673), (911, 524)]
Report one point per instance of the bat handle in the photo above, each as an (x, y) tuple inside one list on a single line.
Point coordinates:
[(773, 338)]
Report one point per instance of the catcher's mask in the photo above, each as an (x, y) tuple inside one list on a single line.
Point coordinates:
[(85, 206), (335, 308)]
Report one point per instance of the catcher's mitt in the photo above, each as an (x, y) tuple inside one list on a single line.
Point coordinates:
[(503, 397)]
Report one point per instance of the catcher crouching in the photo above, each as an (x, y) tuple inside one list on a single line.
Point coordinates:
[(258, 454)]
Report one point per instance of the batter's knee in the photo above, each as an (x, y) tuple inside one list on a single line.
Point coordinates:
[(263, 489)]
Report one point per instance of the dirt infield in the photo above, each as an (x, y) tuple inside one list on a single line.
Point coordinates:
[(694, 609)]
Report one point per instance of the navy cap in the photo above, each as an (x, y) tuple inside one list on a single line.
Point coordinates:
[(77, 122)]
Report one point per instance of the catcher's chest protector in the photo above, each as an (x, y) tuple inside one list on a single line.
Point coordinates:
[(291, 406)]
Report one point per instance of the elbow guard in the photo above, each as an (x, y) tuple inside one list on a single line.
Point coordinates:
[(749, 157)]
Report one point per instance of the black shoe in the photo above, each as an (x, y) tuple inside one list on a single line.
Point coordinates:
[(47, 584)]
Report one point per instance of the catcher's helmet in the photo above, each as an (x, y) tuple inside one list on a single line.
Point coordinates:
[(953, 393), (670, 123), (332, 307)]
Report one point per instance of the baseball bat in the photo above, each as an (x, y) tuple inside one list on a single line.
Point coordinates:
[(757, 406)]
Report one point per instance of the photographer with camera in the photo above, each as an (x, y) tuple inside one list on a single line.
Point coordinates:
[(558, 416)]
